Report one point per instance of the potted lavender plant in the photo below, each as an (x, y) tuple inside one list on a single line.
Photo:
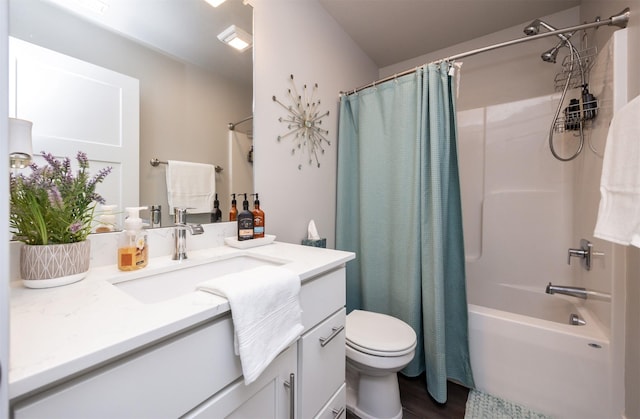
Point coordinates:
[(52, 210)]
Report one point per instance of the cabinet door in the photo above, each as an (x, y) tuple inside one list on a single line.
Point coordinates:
[(266, 398), (322, 364)]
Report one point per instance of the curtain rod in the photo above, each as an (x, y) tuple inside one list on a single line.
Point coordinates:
[(620, 20), (232, 125)]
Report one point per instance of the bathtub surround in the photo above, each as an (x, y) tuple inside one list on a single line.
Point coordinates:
[(514, 192), (410, 257)]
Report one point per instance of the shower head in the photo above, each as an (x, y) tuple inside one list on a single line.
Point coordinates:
[(550, 55), (534, 28)]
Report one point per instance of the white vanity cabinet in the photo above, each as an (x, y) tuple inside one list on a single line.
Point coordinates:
[(195, 373)]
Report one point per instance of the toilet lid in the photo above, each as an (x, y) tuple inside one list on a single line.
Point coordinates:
[(379, 333)]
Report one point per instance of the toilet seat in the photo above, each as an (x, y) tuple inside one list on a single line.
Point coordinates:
[(379, 334)]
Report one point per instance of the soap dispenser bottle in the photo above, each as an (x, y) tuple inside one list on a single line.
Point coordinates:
[(233, 213), (216, 215), (258, 218), (133, 251), (245, 221)]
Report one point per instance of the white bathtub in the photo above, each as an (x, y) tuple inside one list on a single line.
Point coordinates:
[(523, 349)]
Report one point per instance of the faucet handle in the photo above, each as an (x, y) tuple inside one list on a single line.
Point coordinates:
[(180, 215), (196, 229), (585, 252), (578, 253)]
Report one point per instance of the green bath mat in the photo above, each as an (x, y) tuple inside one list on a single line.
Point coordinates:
[(484, 406)]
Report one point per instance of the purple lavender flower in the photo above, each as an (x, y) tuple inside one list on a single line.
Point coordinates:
[(54, 197), (99, 177), (82, 160), (55, 164), (75, 227)]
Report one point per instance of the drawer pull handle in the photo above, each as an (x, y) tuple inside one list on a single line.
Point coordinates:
[(291, 385), (337, 412), (334, 332)]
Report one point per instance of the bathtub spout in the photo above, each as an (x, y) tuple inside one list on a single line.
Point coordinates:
[(566, 290)]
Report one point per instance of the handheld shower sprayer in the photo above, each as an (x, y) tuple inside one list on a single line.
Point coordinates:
[(550, 55), (573, 116)]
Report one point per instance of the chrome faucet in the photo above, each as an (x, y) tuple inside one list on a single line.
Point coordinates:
[(566, 290), (180, 233)]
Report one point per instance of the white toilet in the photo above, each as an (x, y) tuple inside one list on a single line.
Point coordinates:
[(377, 346)]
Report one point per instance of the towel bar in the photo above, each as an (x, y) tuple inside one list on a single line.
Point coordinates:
[(155, 163)]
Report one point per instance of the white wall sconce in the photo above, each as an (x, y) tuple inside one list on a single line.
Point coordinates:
[(20, 148), (236, 37)]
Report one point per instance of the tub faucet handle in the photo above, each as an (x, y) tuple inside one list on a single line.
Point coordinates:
[(584, 252)]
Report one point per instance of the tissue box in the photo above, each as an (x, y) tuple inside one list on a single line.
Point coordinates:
[(315, 243)]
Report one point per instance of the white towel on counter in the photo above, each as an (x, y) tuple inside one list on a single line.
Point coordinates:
[(191, 185), (266, 313), (619, 211)]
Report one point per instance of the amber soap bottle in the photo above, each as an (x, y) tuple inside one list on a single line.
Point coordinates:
[(245, 222), (258, 218), (233, 213)]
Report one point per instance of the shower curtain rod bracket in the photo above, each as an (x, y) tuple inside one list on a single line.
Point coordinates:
[(232, 125)]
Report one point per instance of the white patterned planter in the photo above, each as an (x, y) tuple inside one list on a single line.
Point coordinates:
[(52, 265)]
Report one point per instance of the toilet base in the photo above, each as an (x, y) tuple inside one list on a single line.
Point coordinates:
[(373, 397)]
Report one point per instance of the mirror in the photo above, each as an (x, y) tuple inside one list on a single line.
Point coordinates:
[(191, 85)]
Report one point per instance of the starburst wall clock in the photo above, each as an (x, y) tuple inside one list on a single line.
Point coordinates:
[(303, 121)]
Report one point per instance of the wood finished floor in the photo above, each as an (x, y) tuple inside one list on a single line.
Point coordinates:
[(418, 404)]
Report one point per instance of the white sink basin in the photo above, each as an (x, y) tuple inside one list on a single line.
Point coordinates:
[(157, 287)]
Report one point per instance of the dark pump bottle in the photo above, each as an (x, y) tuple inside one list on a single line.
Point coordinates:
[(245, 222), (258, 218), (233, 214), (216, 215)]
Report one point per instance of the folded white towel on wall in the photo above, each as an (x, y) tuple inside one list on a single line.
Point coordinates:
[(191, 185), (266, 312), (619, 211)]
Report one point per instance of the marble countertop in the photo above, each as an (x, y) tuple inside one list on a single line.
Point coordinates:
[(58, 332)]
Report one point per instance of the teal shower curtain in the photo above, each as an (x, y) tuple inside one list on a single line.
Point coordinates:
[(398, 208)]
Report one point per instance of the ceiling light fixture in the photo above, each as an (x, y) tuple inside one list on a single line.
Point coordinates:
[(215, 3), (236, 37)]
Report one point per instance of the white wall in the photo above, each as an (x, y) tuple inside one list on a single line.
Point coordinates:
[(299, 38), (184, 110)]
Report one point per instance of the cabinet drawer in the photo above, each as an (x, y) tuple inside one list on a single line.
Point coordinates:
[(321, 364), (337, 406), (163, 381), (322, 296)]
